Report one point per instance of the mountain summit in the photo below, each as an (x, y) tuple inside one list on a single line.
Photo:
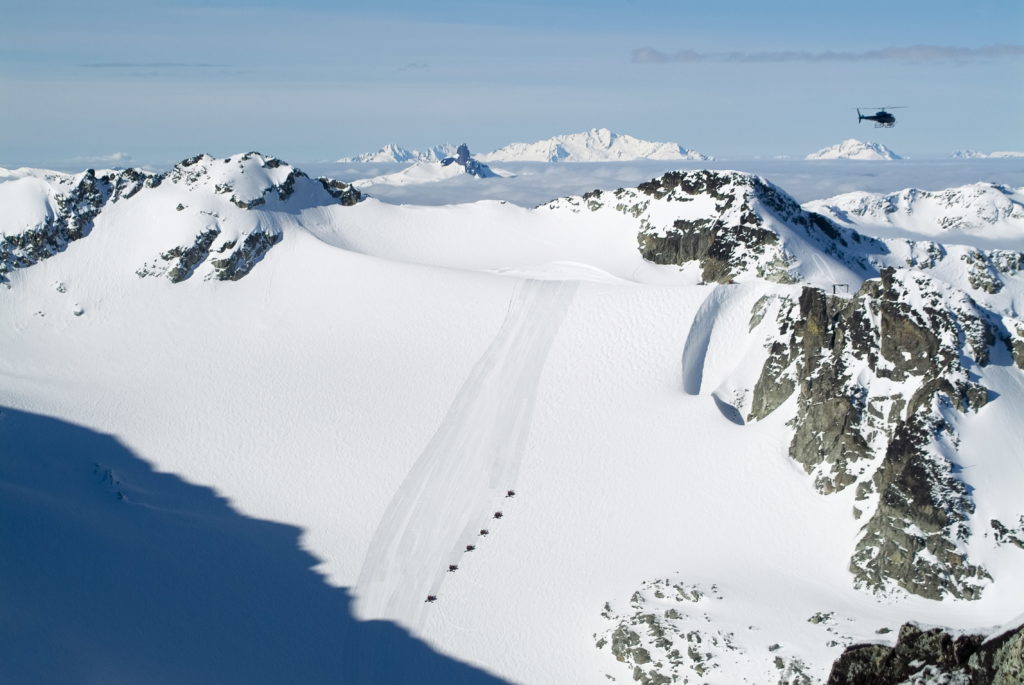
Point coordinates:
[(595, 145), (851, 148)]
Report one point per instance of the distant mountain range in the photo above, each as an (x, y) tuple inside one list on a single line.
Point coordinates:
[(974, 154), (595, 145), (428, 171), (851, 148)]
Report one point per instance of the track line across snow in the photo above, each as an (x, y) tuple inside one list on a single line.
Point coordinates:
[(462, 476)]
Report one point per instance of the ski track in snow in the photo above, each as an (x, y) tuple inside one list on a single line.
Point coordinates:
[(461, 478)]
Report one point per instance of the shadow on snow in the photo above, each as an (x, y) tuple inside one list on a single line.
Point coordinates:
[(112, 572)]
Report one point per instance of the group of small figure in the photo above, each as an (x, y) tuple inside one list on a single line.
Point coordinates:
[(452, 568)]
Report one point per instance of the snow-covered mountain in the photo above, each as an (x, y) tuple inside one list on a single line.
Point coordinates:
[(974, 154), (851, 148), (688, 430), (396, 153), (986, 209), (595, 145), (460, 164)]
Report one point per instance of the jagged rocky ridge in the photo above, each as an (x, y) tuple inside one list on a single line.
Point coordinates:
[(472, 167), (934, 656), (69, 215), (874, 383), (879, 379), (251, 181)]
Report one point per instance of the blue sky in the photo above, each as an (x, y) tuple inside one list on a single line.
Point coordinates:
[(315, 80)]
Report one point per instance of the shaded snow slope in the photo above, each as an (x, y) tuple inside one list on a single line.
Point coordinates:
[(122, 573), (595, 145), (851, 148)]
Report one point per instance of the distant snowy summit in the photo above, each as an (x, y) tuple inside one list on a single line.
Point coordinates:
[(396, 153), (852, 148), (974, 154), (595, 145), (424, 171)]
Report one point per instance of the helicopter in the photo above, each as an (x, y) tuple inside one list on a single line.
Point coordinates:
[(882, 118)]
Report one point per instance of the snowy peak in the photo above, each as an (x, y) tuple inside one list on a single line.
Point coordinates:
[(468, 164), (595, 145), (851, 148), (396, 153), (734, 226), (209, 199), (988, 207)]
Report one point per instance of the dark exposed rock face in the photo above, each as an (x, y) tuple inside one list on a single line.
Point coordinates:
[(878, 382), (180, 262), (246, 256), (734, 238), (934, 656), (71, 219), (342, 192), (472, 166)]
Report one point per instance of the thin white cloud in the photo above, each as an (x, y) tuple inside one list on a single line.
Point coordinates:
[(912, 53), (112, 158)]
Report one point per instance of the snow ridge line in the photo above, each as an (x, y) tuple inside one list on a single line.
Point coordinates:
[(462, 476), (695, 350)]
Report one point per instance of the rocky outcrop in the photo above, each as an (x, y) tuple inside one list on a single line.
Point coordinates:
[(241, 261), (472, 167), (344, 193), (180, 262), (934, 656), (670, 633), (740, 232), (70, 218), (878, 379)]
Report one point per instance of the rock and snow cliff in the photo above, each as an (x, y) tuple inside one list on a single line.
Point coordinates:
[(851, 148)]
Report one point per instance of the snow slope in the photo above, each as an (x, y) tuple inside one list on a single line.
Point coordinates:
[(851, 148), (378, 381), (595, 145)]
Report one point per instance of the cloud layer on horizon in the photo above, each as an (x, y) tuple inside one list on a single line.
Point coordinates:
[(912, 53)]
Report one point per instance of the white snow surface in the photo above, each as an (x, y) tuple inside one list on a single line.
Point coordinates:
[(378, 383), (595, 145), (851, 148)]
